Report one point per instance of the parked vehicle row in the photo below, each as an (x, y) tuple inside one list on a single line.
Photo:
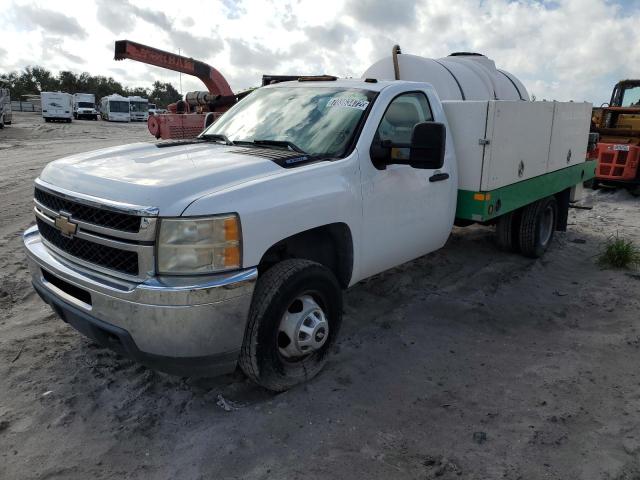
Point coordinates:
[(61, 106)]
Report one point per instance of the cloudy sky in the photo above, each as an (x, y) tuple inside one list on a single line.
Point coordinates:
[(561, 49)]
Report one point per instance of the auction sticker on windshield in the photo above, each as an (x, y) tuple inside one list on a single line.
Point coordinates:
[(348, 103)]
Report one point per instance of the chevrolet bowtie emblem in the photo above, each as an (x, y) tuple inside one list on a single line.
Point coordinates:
[(65, 225)]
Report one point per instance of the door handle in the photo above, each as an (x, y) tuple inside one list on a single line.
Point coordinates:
[(438, 177)]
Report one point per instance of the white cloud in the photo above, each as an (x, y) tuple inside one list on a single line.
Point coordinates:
[(568, 49)]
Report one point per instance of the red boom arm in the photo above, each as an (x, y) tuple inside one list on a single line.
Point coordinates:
[(212, 78)]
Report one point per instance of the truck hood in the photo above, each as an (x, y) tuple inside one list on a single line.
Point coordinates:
[(168, 176)]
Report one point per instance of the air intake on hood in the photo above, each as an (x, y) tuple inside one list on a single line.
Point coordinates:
[(284, 158)]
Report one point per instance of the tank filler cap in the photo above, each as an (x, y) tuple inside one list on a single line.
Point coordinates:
[(466, 54)]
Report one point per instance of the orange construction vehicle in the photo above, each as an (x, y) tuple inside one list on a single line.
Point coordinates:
[(618, 126)]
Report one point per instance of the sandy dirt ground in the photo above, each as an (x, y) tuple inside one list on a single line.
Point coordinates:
[(468, 363)]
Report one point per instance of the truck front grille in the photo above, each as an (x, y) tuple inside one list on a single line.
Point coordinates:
[(97, 216), (108, 257)]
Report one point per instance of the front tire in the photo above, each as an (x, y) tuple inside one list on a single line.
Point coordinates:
[(295, 298), (537, 226)]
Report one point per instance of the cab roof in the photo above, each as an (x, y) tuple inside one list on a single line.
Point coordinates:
[(372, 84)]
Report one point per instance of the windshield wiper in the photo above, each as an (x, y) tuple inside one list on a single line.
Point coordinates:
[(217, 137), (280, 143)]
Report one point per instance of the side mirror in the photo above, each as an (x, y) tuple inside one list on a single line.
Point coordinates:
[(427, 145), (380, 154), (425, 151)]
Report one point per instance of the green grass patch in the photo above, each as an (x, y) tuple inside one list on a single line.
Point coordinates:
[(619, 253)]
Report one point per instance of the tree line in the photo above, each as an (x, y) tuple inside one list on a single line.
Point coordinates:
[(33, 80)]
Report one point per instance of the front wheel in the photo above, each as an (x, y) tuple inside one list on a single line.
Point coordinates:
[(294, 319)]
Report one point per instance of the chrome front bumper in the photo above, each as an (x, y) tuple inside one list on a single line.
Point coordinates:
[(185, 325)]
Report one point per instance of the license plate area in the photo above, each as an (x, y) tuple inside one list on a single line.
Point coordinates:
[(76, 293)]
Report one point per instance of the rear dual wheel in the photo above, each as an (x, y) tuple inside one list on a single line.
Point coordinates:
[(508, 231), (294, 319), (528, 230)]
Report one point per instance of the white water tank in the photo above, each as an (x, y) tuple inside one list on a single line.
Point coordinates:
[(460, 76)]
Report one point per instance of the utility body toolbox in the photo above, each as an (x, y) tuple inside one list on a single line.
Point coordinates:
[(513, 152)]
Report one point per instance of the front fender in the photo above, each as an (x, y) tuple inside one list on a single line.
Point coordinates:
[(299, 199)]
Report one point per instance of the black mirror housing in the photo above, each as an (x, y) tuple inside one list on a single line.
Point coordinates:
[(428, 142), (380, 154)]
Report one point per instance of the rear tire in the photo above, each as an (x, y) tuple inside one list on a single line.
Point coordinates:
[(508, 231), (262, 357), (539, 221)]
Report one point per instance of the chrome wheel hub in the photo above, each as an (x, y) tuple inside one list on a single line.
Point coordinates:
[(303, 328), (546, 225)]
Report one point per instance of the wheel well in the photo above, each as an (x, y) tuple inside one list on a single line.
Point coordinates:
[(330, 245), (563, 209)]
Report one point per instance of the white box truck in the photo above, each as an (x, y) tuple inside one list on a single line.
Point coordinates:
[(139, 108), (56, 106), (84, 106), (233, 248), (115, 108), (5, 107)]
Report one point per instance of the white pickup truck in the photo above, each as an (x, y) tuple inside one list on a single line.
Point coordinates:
[(196, 256)]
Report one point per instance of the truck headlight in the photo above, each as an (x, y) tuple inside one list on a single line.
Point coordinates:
[(189, 246)]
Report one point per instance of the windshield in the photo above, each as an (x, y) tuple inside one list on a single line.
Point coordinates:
[(631, 97), (118, 106), (139, 106), (152, 106), (85, 105), (320, 121)]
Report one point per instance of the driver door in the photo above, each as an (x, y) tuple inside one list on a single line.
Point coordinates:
[(407, 213)]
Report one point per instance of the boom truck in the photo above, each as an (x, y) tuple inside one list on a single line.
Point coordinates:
[(618, 127), (186, 118), (233, 248)]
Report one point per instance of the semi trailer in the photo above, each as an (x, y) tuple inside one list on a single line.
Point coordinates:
[(233, 248)]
